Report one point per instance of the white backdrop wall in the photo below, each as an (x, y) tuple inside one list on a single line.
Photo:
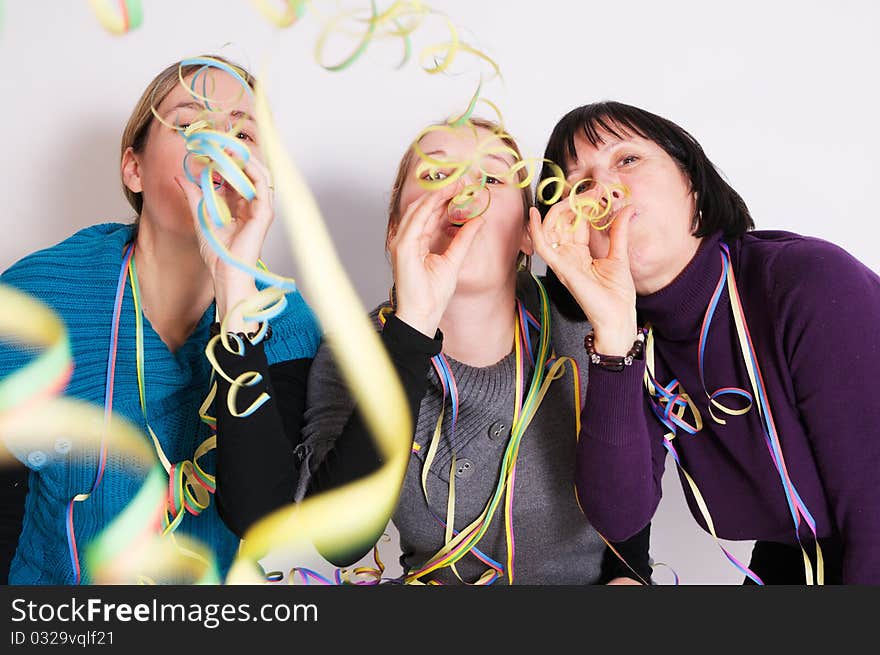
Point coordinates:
[(782, 95)]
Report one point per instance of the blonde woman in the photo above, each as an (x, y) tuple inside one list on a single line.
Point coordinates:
[(464, 330), (182, 288)]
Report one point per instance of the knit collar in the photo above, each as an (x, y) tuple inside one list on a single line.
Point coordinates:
[(492, 384), (676, 311), (163, 362)]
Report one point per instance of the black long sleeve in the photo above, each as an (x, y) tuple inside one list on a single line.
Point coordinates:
[(257, 470), (13, 492), (635, 551)]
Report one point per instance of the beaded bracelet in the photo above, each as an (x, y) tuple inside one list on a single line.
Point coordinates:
[(615, 363)]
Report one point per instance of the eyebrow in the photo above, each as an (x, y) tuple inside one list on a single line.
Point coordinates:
[(436, 152), (492, 155), (191, 104), (499, 158), (608, 145)]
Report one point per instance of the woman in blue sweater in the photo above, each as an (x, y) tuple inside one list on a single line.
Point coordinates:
[(183, 287)]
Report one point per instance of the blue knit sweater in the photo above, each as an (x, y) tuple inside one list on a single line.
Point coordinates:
[(78, 278)]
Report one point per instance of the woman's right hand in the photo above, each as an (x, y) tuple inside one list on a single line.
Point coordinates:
[(425, 281), (603, 288)]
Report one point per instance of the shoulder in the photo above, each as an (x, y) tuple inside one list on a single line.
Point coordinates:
[(93, 252), (805, 267), (323, 365), (801, 286)]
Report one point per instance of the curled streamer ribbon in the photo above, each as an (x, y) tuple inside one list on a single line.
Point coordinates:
[(355, 515), (221, 153), (670, 402), (118, 16), (282, 13), (472, 199), (598, 212), (547, 368), (34, 419), (400, 20)]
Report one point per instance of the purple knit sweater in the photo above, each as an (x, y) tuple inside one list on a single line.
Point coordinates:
[(813, 312)]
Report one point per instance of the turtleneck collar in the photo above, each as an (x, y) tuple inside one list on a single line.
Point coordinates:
[(676, 311)]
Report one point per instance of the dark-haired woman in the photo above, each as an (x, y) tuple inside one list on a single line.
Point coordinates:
[(748, 356), (491, 457)]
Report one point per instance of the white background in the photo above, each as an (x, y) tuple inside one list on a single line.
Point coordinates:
[(782, 96)]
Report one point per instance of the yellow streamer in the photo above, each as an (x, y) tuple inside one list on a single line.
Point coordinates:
[(356, 514)]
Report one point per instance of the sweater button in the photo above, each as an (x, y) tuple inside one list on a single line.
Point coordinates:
[(498, 430), (36, 459), (464, 468), (62, 446)]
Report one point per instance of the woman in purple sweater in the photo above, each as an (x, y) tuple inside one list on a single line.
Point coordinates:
[(748, 356)]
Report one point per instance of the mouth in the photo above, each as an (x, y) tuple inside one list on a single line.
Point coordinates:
[(457, 217), (607, 220), (217, 181), (452, 228)]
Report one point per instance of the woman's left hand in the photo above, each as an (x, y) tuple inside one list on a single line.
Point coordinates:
[(242, 237)]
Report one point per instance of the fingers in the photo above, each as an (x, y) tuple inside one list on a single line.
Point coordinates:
[(619, 234), (536, 231), (458, 249), (560, 223), (581, 233), (260, 176), (259, 209), (417, 219), (555, 231)]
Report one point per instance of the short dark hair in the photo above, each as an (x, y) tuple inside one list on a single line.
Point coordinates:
[(718, 206)]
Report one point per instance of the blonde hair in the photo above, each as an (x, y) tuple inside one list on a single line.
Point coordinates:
[(137, 129), (409, 157)]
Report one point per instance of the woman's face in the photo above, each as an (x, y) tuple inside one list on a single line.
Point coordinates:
[(153, 169), (660, 240), (491, 260)]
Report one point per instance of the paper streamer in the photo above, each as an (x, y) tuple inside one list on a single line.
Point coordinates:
[(352, 517), (281, 13), (118, 16), (34, 420)]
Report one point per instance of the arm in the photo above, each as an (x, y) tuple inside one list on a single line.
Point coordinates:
[(257, 469), (13, 492), (830, 312), (618, 464), (410, 352), (636, 565), (353, 454)]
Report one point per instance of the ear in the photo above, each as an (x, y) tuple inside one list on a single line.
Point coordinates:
[(526, 244), (131, 171), (390, 234)]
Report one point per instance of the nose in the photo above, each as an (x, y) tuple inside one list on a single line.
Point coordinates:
[(603, 189)]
